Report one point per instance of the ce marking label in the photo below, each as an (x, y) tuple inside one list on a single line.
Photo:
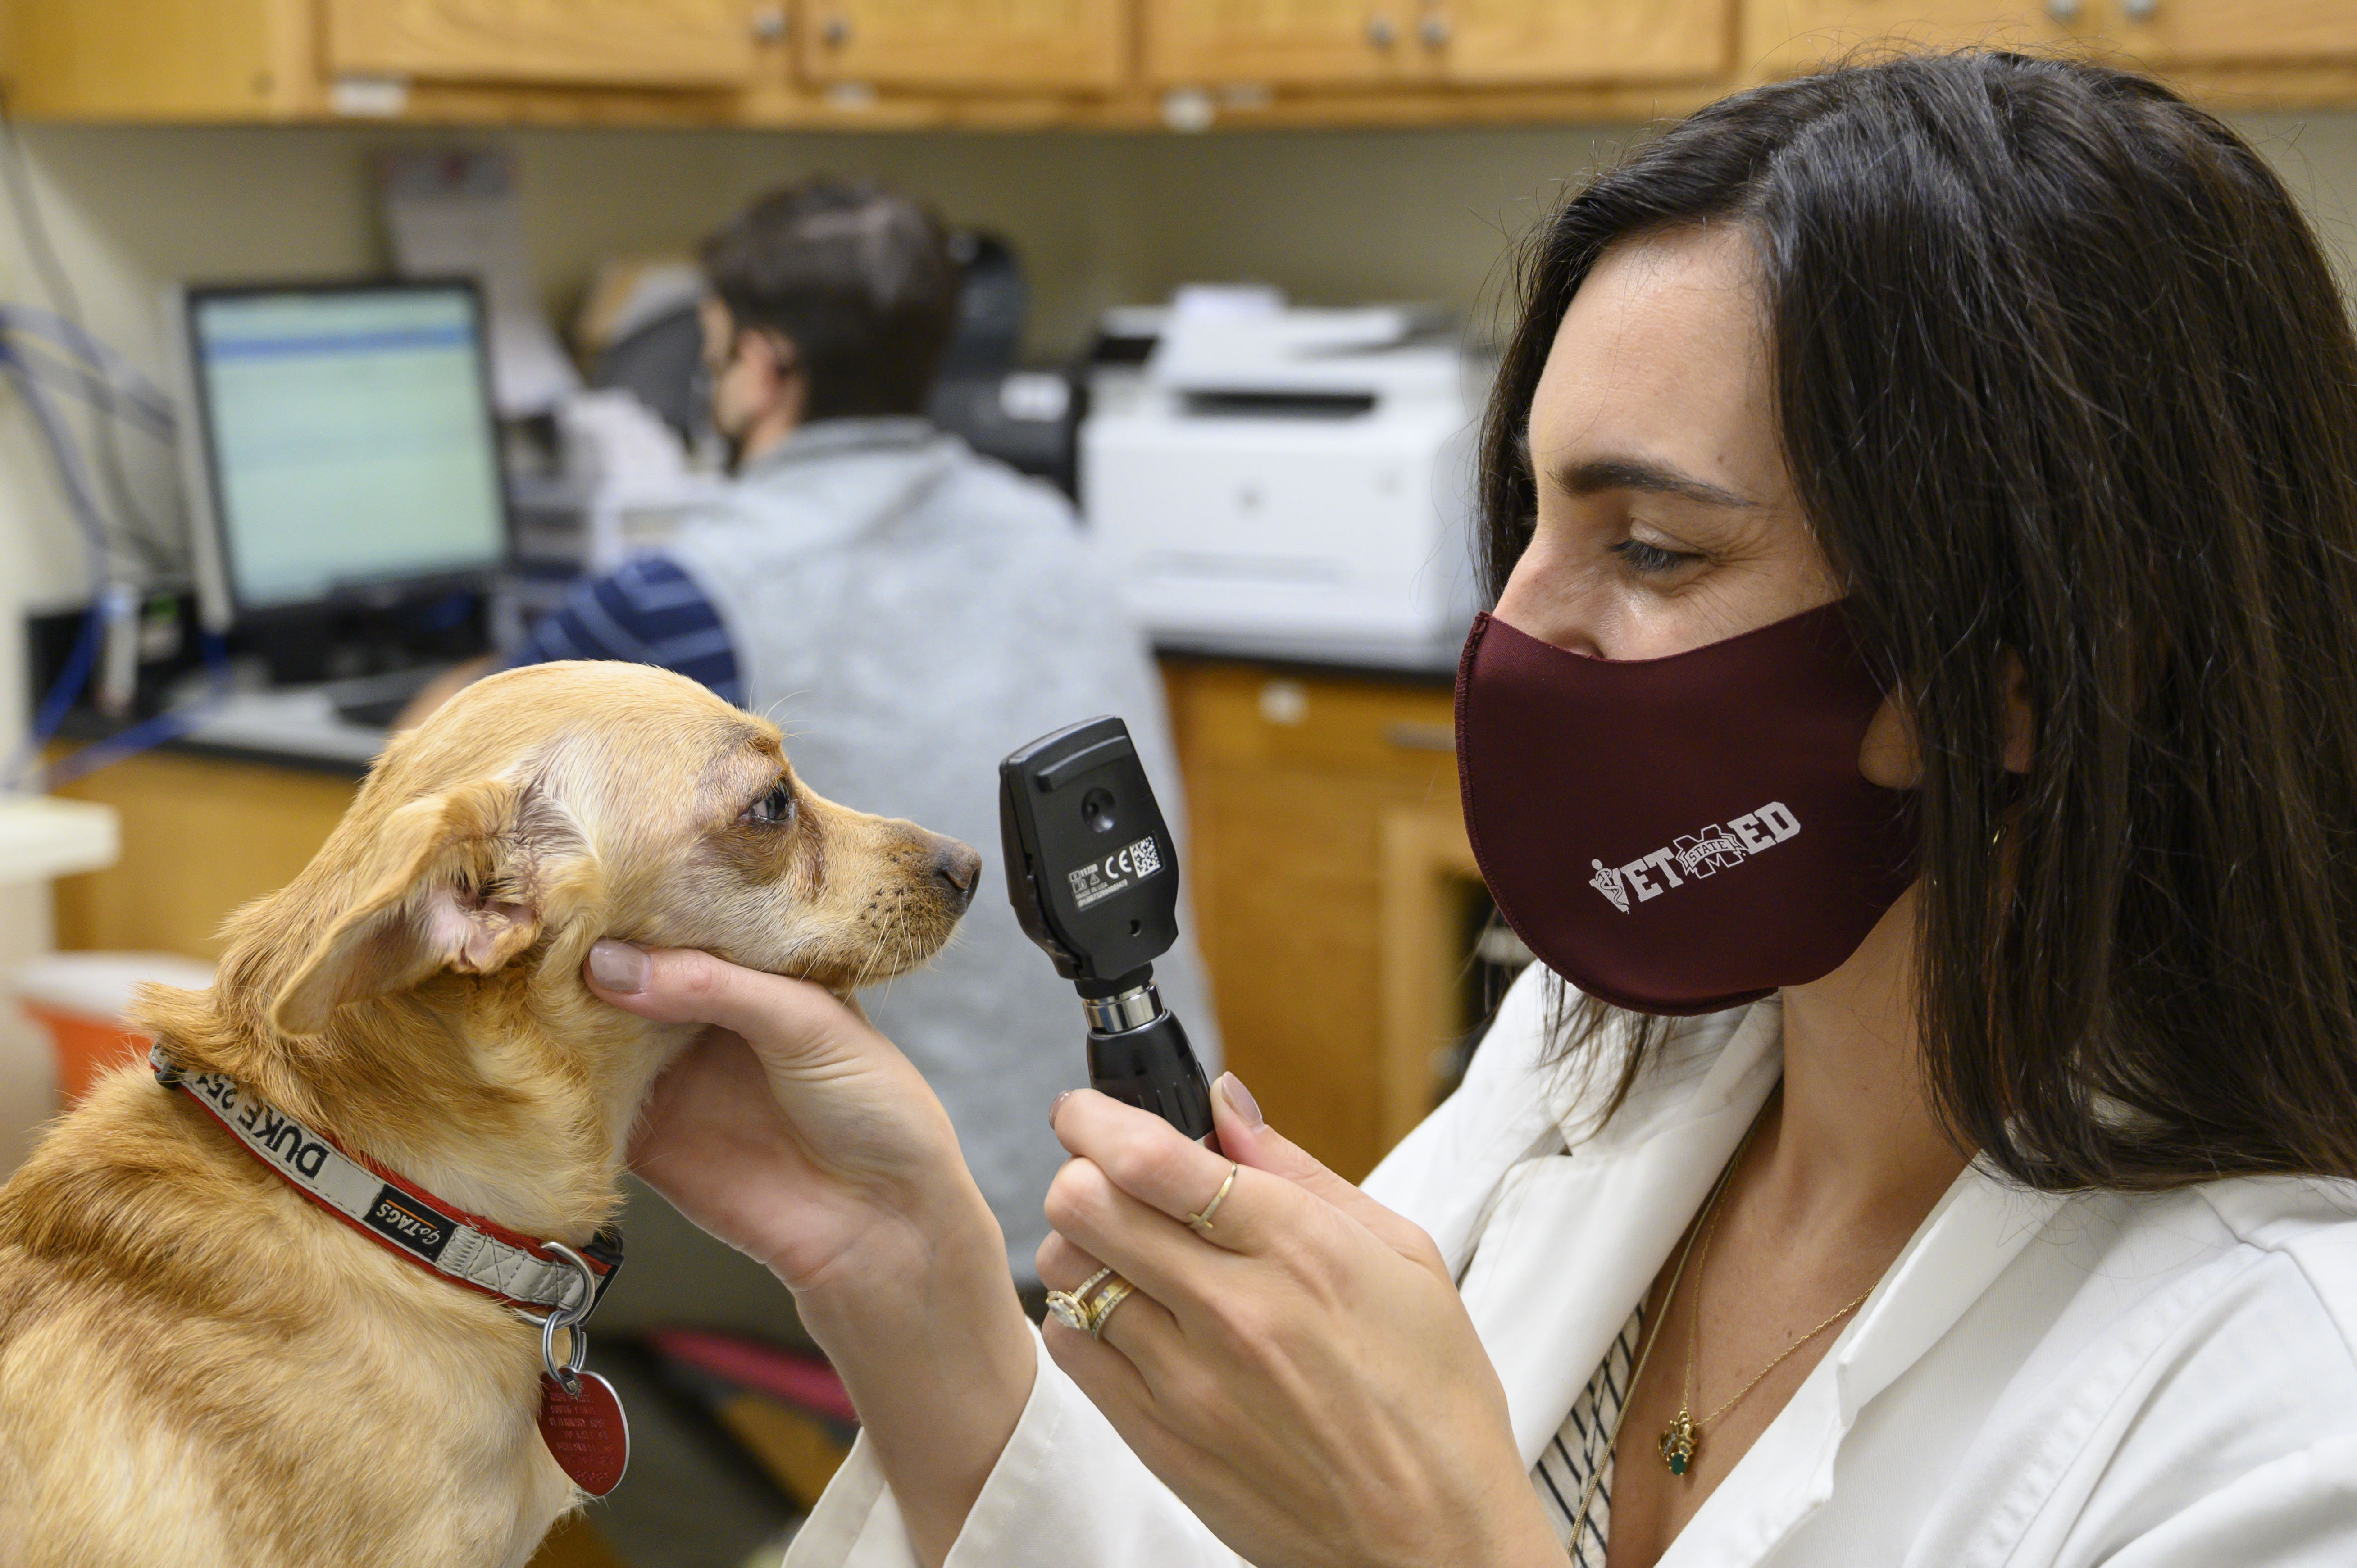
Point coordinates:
[(1116, 871)]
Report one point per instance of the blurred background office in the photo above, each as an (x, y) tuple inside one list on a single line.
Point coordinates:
[(1226, 278)]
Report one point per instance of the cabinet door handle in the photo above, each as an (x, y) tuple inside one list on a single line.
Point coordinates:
[(2065, 11), (835, 32), (1409, 736), (769, 23), (1381, 31), (1434, 31), (2139, 10)]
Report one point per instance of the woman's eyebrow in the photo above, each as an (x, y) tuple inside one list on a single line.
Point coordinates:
[(1596, 474)]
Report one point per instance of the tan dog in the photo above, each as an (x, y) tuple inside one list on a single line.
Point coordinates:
[(200, 1367)]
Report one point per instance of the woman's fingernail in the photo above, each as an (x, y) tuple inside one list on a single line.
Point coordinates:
[(1055, 1105), (1239, 1100), (619, 966)]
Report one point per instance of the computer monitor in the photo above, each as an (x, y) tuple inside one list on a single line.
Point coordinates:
[(343, 447)]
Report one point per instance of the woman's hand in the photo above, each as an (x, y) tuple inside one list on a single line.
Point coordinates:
[(791, 1129), (1306, 1378), (795, 1133)]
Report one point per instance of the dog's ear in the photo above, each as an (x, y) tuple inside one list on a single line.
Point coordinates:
[(455, 881)]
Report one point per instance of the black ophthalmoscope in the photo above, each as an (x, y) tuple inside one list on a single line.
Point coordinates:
[(1095, 881)]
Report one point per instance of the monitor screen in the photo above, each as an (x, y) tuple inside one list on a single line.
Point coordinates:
[(349, 437)]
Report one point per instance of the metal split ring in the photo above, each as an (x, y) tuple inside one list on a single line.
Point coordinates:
[(569, 1376), (1200, 1224)]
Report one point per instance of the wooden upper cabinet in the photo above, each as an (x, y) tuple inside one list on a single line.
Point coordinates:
[(2234, 32), (1310, 43), (1484, 43), (1782, 37), (137, 59), (975, 45), (564, 43), (1469, 43)]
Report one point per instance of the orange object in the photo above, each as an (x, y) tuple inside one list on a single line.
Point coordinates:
[(87, 1049), (80, 998)]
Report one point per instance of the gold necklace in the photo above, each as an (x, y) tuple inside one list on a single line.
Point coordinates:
[(1683, 1437)]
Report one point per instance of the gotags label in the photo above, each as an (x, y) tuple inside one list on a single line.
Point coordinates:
[(1696, 855), (411, 1223), (1100, 879)]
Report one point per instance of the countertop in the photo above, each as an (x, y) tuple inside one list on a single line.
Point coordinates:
[(297, 726), (41, 837)]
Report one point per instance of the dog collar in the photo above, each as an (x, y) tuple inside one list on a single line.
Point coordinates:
[(540, 1277)]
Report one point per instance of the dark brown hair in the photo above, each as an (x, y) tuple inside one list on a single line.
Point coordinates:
[(857, 279), (2060, 374)]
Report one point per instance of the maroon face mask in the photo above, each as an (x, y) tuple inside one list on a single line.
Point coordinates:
[(1681, 834)]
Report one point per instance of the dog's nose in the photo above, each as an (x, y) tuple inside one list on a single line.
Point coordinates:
[(959, 870)]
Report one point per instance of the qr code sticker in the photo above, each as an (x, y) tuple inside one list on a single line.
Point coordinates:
[(1144, 860)]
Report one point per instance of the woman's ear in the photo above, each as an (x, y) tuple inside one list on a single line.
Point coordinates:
[(1889, 757), (2020, 721), (458, 881)]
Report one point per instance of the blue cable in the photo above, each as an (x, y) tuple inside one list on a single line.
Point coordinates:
[(74, 678), (79, 663), (151, 732)]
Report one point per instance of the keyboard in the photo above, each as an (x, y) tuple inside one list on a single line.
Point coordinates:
[(373, 702)]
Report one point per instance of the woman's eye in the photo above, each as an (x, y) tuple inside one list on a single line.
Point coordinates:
[(1651, 560), (775, 808)]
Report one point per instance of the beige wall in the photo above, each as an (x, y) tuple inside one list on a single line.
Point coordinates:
[(1099, 218)]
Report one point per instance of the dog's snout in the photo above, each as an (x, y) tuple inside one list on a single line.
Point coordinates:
[(959, 871)]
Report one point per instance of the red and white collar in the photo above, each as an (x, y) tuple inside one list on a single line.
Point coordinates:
[(481, 1255)]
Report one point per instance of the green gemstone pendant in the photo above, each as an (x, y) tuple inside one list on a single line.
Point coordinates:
[(1677, 1443)]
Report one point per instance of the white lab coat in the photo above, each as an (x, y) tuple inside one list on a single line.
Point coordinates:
[(2161, 1381)]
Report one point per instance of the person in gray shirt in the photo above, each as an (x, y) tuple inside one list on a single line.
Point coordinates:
[(910, 613)]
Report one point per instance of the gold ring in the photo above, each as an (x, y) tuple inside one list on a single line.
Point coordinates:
[(1112, 1296), (1200, 1224), (1071, 1306)]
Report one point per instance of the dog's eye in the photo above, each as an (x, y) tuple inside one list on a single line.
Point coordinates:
[(775, 808)]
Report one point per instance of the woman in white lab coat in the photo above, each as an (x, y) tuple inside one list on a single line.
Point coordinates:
[(1918, 732)]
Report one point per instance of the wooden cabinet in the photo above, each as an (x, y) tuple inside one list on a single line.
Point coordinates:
[(1783, 36), (1114, 64), (200, 838), (1069, 45), (2168, 33), (1358, 43), (619, 43), (224, 59), (1329, 881), (1481, 43), (1285, 42)]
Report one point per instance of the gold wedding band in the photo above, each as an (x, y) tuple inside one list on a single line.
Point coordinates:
[(1112, 1296), (1200, 1224), (1077, 1308)]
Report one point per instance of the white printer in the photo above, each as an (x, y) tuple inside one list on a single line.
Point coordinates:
[(1290, 479)]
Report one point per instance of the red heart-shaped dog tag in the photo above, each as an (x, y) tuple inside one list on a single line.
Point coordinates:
[(587, 1432)]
